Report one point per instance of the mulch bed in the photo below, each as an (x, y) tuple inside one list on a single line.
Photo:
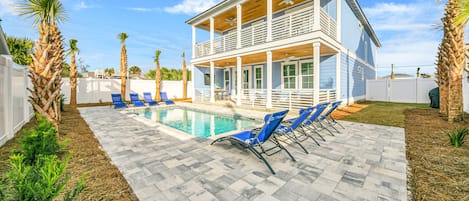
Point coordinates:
[(438, 171), (104, 180)]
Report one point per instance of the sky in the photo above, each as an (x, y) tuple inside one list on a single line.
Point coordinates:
[(405, 28)]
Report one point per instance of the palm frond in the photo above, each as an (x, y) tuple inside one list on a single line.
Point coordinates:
[(157, 56), (48, 11), (122, 36)]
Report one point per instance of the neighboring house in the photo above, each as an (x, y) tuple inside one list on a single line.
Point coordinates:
[(283, 53)]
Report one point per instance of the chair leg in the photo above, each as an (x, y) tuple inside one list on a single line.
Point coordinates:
[(262, 158), (295, 140), (219, 140), (285, 149), (315, 130)]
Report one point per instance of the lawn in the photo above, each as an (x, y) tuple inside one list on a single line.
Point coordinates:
[(437, 170)]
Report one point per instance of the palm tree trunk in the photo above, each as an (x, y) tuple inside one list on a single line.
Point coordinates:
[(184, 79), (73, 82), (453, 46), (442, 72), (123, 71), (158, 81)]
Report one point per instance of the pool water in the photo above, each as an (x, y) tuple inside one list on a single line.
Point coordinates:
[(197, 123)]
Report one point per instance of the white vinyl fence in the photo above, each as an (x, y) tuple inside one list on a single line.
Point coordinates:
[(15, 110), (400, 90), (90, 90)]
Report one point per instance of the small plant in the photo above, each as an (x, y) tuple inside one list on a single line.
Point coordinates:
[(39, 141), (44, 180), (456, 136)]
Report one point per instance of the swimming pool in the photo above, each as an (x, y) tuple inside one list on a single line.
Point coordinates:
[(196, 122)]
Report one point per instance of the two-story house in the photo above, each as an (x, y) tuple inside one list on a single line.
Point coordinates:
[(283, 53)]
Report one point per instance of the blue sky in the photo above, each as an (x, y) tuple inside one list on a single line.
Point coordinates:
[(405, 29)]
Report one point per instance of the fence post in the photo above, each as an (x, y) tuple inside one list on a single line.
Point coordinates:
[(8, 99), (26, 97)]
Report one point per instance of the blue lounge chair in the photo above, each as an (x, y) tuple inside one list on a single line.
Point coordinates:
[(117, 101), (134, 100), (290, 127), (164, 98), (257, 137), (312, 121), (147, 98), (328, 119)]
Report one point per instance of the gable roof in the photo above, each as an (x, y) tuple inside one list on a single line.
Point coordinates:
[(353, 4), (3, 44)]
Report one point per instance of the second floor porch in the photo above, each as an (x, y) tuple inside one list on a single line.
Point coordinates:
[(293, 20)]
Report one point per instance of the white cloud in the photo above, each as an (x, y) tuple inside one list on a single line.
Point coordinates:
[(138, 9), (8, 7), (407, 32), (191, 7), (84, 5)]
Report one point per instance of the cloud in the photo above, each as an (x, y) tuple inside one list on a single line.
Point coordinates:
[(406, 31), (144, 9), (191, 7), (8, 7), (84, 5)]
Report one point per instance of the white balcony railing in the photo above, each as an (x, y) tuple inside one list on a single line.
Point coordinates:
[(286, 26), (281, 98)]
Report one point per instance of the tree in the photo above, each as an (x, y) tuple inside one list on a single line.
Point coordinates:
[(21, 49), (73, 71), (109, 72), (150, 75), (157, 75), (463, 17), (451, 63), (135, 70), (65, 70), (184, 76), (123, 67), (48, 57)]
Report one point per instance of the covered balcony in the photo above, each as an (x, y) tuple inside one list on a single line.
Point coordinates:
[(263, 21)]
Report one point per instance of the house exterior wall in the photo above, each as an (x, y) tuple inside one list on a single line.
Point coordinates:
[(354, 74), (199, 77), (356, 39)]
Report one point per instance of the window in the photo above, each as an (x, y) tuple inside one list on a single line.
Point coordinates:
[(289, 75), (307, 75), (227, 79), (207, 79), (246, 78), (258, 77)]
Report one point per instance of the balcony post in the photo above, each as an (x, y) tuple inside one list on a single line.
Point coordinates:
[(239, 63), (316, 68), (337, 76), (212, 82), (269, 21), (212, 35), (269, 79), (338, 19), (193, 41), (239, 16), (317, 15)]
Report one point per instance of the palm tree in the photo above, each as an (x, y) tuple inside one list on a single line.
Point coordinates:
[(463, 17), (157, 75), (451, 63), (73, 71), (184, 76), (48, 57), (122, 36)]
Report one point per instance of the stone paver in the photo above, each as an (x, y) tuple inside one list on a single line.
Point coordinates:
[(363, 162)]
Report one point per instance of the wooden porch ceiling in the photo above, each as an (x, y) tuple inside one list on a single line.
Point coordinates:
[(279, 54), (251, 10)]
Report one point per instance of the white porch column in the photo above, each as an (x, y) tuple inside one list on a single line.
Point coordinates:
[(269, 79), (339, 20), (239, 17), (239, 80), (212, 82), (212, 35), (337, 76), (317, 15), (193, 41), (317, 65), (192, 82), (269, 21)]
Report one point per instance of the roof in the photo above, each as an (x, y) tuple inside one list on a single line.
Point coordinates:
[(354, 5), (3, 43)]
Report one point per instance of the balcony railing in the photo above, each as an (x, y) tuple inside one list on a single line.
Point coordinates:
[(286, 26), (281, 98)]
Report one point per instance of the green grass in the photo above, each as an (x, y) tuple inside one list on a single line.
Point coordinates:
[(384, 113)]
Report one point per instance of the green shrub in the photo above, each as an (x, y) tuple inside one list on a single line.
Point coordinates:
[(41, 140), (44, 180), (456, 136)]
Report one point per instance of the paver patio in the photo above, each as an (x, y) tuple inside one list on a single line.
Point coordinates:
[(364, 162)]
